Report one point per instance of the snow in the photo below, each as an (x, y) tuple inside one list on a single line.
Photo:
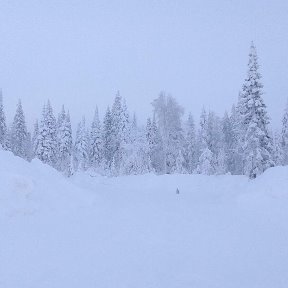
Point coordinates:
[(135, 231)]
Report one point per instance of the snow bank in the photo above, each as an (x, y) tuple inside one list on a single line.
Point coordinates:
[(220, 231)]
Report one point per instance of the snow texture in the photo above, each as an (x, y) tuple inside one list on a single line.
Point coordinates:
[(137, 231)]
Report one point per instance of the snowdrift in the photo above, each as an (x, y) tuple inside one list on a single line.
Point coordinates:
[(136, 231)]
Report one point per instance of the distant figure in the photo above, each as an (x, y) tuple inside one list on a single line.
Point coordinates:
[(177, 191)]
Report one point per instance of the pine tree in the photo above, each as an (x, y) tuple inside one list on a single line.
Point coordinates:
[(215, 141), (278, 155), (3, 127), (206, 151), (235, 157), (81, 151), (203, 131), (284, 135), (61, 117), (35, 138), (95, 147), (155, 146), (221, 163), (180, 163), (228, 143), (108, 141), (19, 134), (206, 161), (257, 146), (64, 135), (133, 129), (117, 131), (137, 161), (47, 140), (29, 147), (190, 145), (126, 126)]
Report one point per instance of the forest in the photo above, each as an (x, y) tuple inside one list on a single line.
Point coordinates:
[(239, 143)]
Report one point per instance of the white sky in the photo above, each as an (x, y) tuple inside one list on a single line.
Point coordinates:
[(81, 52)]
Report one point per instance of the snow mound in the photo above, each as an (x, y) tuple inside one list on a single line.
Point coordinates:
[(136, 231)]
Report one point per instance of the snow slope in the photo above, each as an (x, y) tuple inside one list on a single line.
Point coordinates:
[(219, 232)]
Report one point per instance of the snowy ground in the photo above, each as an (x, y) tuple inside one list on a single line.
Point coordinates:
[(219, 232)]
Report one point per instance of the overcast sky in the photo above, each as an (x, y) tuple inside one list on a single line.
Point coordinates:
[(81, 52)]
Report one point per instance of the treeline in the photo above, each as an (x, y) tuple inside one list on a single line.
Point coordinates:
[(239, 143)]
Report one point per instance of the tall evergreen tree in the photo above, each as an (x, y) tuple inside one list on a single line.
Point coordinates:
[(203, 132), (3, 127), (117, 131), (107, 140), (95, 147), (206, 163), (35, 138), (284, 135), (64, 149), (257, 145), (19, 134), (278, 155), (155, 146), (81, 151), (190, 153), (47, 140)]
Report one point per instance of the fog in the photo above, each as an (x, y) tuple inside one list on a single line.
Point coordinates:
[(81, 53)]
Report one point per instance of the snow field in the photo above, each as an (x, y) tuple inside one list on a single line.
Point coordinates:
[(135, 231)]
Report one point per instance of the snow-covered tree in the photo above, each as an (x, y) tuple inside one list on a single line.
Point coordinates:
[(202, 138), (81, 147), (190, 149), (284, 135), (168, 114), (107, 140), (180, 164), (3, 127), (209, 141), (206, 161), (214, 133), (29, 148), (64, 140), (230, 143), (35, 138), (19, 134), (221, 163), (257, 145), (120, 130), (137, 160), (95, 147), (235, 156), (47, 141), (155, 146), (278, 155), (126, 125)]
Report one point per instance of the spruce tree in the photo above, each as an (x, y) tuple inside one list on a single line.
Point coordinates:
[(206, 163), (190, 145), (95, 147), (107, 140), (19, 134), (284, 135), (278, 155), (81, 151), (47, 141), (35, 138), (257, 143), (3, 127), (64, 149), (155, 146)]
